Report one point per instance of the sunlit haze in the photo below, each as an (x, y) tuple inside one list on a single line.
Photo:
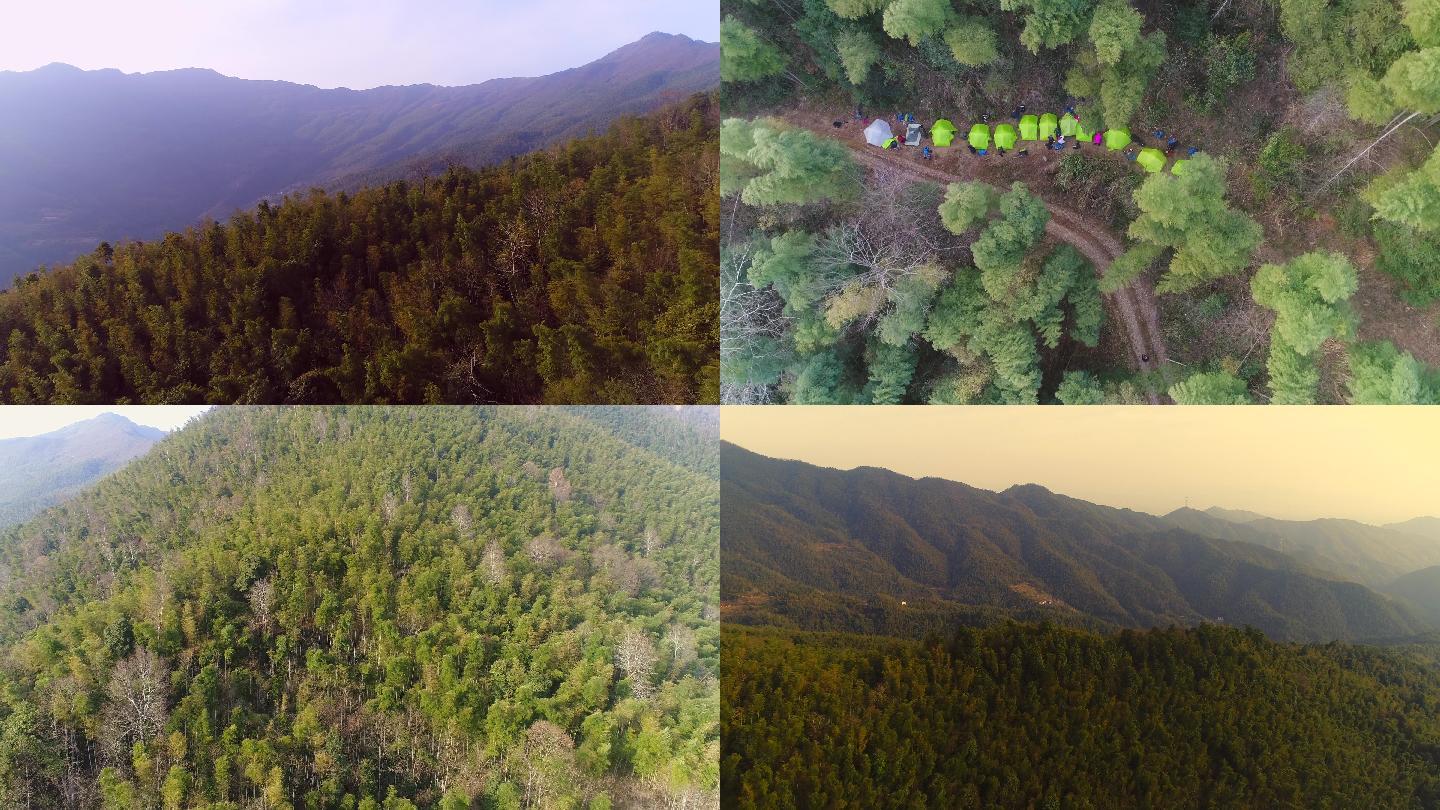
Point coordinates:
[(32, 420), (1376, 465), (341, 44)]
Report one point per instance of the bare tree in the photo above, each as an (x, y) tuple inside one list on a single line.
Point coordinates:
[(492, 562), (389, 506), (548, 756), (635, 655), (545, 550), (753, 326), (262, 602), (460, 517), (652, 541), (894, 235), (680, 638), (135, 694), (560, 485)]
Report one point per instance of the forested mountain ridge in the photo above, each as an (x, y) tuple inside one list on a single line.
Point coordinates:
[(847, 550), (582, 274), (38, 471), (336, 607), (101, 155), (1344, 549)]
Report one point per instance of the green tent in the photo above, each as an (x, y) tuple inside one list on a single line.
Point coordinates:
[(980, 136), (1083, 132), (1178, 167), (890, 143), (1029, 128), (1117, 139), (1005, 136), (942, 133), (1152, 159), (1048, 125), (1069, 125)]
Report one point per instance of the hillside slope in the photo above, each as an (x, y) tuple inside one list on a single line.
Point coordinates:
[(1346, 549), (39, 471), (320, 607), (799, 540), (1016, 716), (584, 274), (92, 156)]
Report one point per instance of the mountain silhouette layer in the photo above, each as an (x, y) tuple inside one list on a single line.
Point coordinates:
[(92, 156)]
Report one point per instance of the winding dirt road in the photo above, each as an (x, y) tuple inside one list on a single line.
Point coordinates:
[(1134, 305)]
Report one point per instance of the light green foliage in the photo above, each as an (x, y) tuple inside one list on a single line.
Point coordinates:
[(1114, 30), (1189, 215), (1412, 257), (858, 51), (1115, 88), (1017, 297), (855, 9), (1128, 266), (909, 298), (972, 42), (744, 56), (1050, 23), (1293, 376), (1422, 17), (1414, 81), (1309, 296), (768, 162), (967, 204), (314, 594), (821, 381), (1413, 200), (1381, 374), (786, 265), (891, 368), (1080, 388), (916, 20), (1335, 39), (1210, 388), (1366, 99)]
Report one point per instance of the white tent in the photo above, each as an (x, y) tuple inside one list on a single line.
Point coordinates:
[(878, 132)]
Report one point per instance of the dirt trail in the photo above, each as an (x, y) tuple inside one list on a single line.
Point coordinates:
[(1134, 304)]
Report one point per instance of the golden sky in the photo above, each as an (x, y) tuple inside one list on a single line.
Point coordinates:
[(1374, 464)]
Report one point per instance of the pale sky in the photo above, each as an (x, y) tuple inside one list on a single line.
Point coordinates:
[(32, 420), (340, 43), (1373, 464)]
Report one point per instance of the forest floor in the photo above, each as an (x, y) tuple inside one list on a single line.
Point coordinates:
[(1133, 306)]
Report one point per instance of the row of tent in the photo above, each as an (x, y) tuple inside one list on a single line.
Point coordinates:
[(1031, 128)]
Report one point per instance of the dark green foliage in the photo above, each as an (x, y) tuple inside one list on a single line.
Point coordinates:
[(373, 607), (1411, 257), (1018, 716), (1229, 63), (1281, 165), (586, 274)]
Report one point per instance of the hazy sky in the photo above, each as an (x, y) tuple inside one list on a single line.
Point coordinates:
[(32, 420), (341, 43), (1377, 464)]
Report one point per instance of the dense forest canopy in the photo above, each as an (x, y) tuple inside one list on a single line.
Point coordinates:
[(585, 273), (344, 607), (1296, 258), (1034, 716), (893, 642)]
